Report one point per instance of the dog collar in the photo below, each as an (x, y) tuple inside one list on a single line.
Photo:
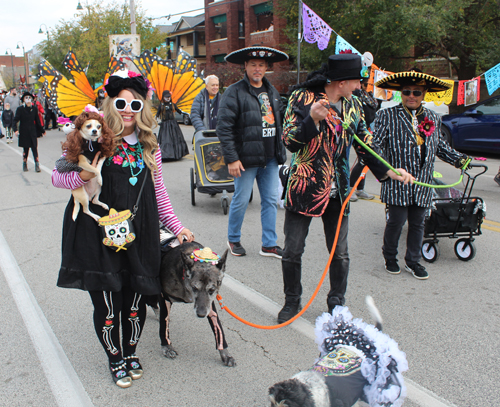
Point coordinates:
[(205, 255)]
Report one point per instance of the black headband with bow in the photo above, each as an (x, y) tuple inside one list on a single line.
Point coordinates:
[(116, 84)]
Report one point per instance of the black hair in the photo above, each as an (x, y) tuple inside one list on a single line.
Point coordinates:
[(314, 79)]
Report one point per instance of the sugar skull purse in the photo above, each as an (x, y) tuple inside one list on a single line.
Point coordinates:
[(117, 228)]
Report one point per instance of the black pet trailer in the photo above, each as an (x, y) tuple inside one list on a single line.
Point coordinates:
[(454, 214), (210, 174)]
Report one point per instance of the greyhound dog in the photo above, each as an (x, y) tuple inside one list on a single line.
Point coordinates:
[(191, 273)]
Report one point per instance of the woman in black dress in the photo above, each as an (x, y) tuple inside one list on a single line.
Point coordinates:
[(119, 281), (172, 143), (30, 129)]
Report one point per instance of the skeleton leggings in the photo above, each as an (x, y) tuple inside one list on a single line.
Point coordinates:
[(112, 310)]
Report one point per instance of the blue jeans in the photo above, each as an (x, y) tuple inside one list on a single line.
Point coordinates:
[(296, 229), (267, 181)]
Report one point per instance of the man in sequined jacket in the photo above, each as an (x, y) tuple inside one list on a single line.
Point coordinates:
[(410, 137), (318, 181)]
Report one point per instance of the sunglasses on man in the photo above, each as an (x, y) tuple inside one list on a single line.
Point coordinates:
[(136, 105), (408, 92)]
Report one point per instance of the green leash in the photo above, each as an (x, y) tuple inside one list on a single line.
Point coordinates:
[(346, 126)]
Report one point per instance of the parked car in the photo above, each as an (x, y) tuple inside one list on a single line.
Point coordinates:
[(476, 129), (183, 118)]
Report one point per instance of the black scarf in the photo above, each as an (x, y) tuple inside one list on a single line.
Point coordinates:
[(211, 110)]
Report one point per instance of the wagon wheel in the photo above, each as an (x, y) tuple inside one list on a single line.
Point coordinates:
[(430, 251), (193, 186), (465, 249), (225, 205)]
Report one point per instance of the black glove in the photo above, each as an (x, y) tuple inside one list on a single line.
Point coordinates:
[(461, 162)]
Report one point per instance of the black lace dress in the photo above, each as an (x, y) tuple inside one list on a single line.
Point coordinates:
[(172, 143)]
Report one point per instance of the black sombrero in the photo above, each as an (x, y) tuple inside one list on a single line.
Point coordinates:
[(245, 54), (396, 81)]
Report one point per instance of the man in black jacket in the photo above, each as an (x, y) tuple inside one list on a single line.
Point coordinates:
[(249, 128)]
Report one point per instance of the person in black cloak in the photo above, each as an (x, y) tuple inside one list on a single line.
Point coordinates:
[(29, 129), (172, 143)]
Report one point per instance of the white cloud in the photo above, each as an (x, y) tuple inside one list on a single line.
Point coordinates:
[(20, 20)]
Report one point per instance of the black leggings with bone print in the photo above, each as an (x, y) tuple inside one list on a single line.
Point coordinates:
[(112, 310)]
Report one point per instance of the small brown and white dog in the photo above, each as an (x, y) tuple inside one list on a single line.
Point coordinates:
[(90, 137)]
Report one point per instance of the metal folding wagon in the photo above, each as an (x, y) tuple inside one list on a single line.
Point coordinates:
[(456, 215)]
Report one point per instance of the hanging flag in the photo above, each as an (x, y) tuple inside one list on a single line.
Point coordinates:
[(342, 45), (438, 98), (315, 29), (492, 77), (468, 92)]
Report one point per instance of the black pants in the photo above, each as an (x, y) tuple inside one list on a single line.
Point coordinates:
[(112, 310), (416, 222), (355, 173), (26, 151), (296, 230), (50, 116)]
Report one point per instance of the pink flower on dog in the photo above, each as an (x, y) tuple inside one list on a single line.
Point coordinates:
[(118, 159)]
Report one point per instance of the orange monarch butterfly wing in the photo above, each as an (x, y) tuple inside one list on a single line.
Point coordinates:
[(64, 95), (179, 78), (77, 72), (114, 65)]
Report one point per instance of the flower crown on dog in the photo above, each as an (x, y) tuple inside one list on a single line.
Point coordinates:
[(125, 79), (205, 255)]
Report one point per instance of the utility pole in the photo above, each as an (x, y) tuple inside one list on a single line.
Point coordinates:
[(133, 26)]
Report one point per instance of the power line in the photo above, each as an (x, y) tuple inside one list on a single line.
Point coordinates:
[(197, 9)]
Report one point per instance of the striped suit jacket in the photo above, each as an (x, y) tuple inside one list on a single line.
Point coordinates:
[(394, 135)]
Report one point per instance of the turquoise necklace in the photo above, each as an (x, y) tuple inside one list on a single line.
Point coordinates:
[(140, 163)]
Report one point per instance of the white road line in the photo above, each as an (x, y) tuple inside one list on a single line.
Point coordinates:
[(415, 392), (63, 380)]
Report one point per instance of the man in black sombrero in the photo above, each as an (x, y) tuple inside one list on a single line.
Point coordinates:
[(410, 136), (318, 182), (249, 129)]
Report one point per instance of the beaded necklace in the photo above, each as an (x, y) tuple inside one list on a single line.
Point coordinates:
[(140, 163), (414, 121)]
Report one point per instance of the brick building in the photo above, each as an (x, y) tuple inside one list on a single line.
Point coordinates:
[(231, 25)]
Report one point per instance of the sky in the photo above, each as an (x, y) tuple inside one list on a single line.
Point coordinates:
[(20, 20)]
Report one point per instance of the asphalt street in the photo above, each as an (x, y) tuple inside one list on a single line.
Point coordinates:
[(448, 325)]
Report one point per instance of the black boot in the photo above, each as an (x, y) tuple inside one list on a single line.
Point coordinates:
[(289, 310), (37, 166), (25, 166)]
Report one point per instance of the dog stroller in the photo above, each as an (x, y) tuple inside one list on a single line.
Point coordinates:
[(454, 214), (210, 174)]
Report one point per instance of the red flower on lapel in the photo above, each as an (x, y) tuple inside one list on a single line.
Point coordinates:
[(427, 127)]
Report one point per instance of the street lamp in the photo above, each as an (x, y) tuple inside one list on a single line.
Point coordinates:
[(40, 31), (24, 62), (12, 63)]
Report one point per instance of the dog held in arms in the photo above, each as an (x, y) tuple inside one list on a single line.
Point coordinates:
[(357, 362), (90, 137), (191, 273)]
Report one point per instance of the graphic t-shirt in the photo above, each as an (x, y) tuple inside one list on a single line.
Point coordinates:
[(268, 121)]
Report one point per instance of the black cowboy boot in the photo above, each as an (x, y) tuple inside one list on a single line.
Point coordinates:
[(25, 166), (37, 166)]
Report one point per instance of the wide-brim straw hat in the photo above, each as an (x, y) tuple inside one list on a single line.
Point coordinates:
[(270, 55), (397, 81)]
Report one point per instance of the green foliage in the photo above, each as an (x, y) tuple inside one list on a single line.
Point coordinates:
[(88, 36), (389, 29)]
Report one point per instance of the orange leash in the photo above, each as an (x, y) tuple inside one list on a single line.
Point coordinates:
[(327, 267)]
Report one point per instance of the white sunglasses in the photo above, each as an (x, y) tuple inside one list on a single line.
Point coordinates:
[(136, 105)]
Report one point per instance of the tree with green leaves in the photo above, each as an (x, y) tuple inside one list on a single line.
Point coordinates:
[(88, 36), (397, 32)]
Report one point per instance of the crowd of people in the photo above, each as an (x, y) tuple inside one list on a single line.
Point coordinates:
[(318, 126)]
